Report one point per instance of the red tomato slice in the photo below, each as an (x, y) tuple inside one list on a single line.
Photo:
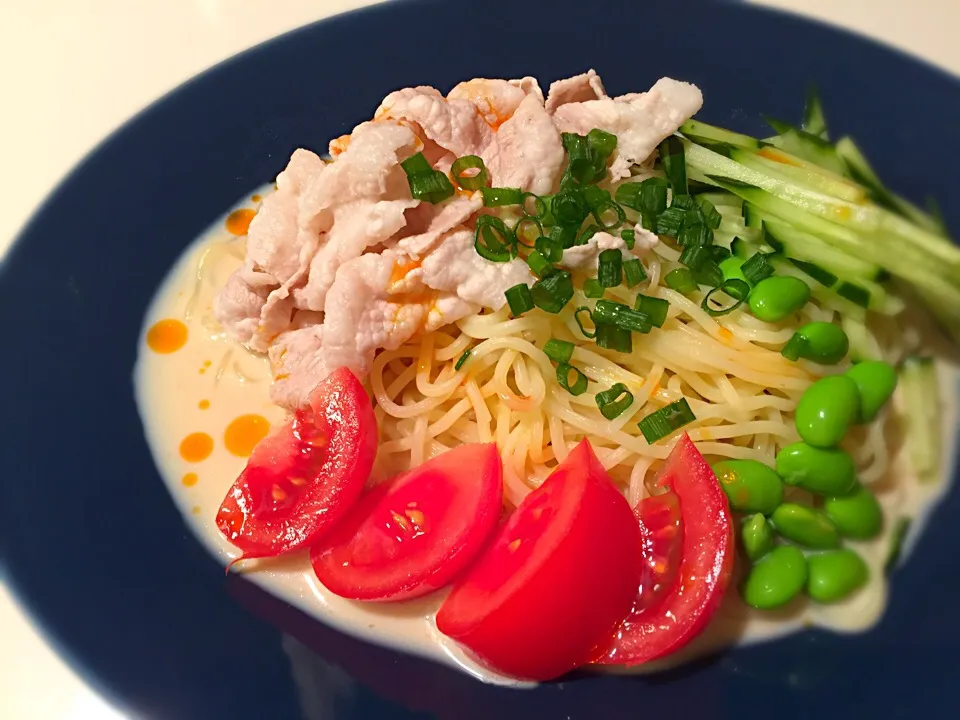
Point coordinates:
[(558, 577), (304, 477), (662, 534), (679, 612), (412, 535)]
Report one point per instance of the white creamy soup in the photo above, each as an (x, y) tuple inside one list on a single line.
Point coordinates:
[(204, 402)]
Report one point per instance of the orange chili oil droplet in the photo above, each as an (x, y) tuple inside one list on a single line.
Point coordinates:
[(244, 432), (203, 404), (196, 447), (190, 479), (167, 336), (256, 198), (238, 222)]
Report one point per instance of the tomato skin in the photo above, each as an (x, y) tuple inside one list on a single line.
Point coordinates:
[(305, 476), (414, 534), (678, 614), (539, 607)]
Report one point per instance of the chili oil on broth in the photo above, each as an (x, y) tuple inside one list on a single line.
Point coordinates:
[(204, 401)]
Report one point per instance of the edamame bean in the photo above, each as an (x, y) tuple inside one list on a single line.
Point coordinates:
[(776, 579), (826, 411), (756, 534), (825, 472), (824, 343), (856, 515), (778, 297), (805, 526), (876, 382), (833, 575), (750, 486)]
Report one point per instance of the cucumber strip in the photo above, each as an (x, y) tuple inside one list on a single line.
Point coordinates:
[(862, 345), (780, 164), (897, 538), (804, 246), (712, 133), (814, 121), (807, 146), (859, 169), (724, 202), (921, 395)]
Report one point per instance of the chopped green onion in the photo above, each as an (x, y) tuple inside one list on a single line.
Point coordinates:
[(553, 292), (708, 212), (579, 386), (674, 165), (654, 308), (757, 268), (614, 401), (649, 198), (594, 196), (432, 186), (541, 207), (683, 201), (718, 253), (695, 233), (623, 316), (570, 208), (854, 293), (592, 288), (694, 256), (602, 141), (588, 232), (416, 165), (629, 238), (463, 358), (612, 337), (670, 221), (666, 420), (465, 164), (739, 248), (681, 280), (488, 245), (795, 348), (736, 289), (584, 165), (708, 274), (496, 197), (565, 236), (552, 251), (576, 316), (538, 264), (559, 351), (523, 235), (609, 215), (610, 268), (519, 299), (634, 273)]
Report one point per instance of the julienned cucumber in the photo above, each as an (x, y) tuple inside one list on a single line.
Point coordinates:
[(713, 134), (805, 246), (921, 396), (808, 146), (798, 171)]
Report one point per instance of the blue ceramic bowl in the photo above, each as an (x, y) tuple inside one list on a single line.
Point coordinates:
[(92, 543)]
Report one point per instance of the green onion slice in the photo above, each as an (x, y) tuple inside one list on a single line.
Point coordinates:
[(610, 268), (549, 248), (616, 338), (579, 385), (463, 173), (629, 238), (538, 264), (433, 186), (416, 165), (654, 308), (496, 197), (534, 206), (614, 401), (709, 274), (576, 316), (553, 292), (695, 233), (462, 359), (592, 288), (527, 230), (711, 217), (519, 299), (609, 215), (737, 290), (634, 273), (623, 316), (795, 348), (493, 240), (569, 207), (602, 141), (666, 420), (681, 280), (559, 351), (670, 222), (757, 268), (694, 256), (674, 165)]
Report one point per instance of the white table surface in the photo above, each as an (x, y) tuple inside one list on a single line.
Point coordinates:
[(75, 69)]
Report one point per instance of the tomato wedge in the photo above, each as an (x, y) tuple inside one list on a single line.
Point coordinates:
[(412, 535), (304, 477), (665, 619), (558, 577)]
